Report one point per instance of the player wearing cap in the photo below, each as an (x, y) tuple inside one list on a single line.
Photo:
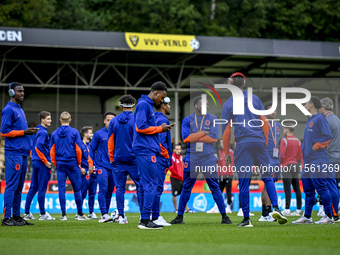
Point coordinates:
[(122, 158), (163, 161), (146, 149), (316, 138), (200, 133), (105, 179), (251, 148), (333, 153), (88, 174), (66, 156), (274, 161), (17, 147), (42, 168)]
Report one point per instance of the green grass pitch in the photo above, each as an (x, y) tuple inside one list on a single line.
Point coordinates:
[(202, 234)]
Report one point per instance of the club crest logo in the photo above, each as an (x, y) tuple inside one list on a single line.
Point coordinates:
[(134, 39)]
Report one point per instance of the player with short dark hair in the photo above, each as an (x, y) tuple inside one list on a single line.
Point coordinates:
[(122, 159), (66, 156), (105, 178), (17, 147), (42, 168), (88, 174), (163, 160), (146, 149), (316, 139), (251, 148), (200, 133)]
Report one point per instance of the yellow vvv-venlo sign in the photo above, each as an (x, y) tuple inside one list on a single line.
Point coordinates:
[(160, 42)]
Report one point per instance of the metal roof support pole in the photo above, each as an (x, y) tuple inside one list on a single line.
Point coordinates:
[(57, 106), (93, 72), (76, 103), (336, 104), (177, 133), (3, 90)]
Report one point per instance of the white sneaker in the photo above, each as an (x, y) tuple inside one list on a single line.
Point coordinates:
[(161, 222), (212, 210), (28, 216), (46, 216), (325, 220), (240, 213), (263, 218), (83, 217), (303, 220), (296, 213), (92, 216), (63, 218), (286, 212), (76, 217), (122, 220), (228, 209), (105, 218)]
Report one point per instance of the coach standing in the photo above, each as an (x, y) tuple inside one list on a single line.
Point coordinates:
[(17, 147), (333, 153)]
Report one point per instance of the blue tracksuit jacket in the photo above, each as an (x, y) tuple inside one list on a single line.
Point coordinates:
[(66, 145), (145, 138), (99, 151), (120, 132), (244, 133), (41, 145), (191, 134), (317, 135), (13, 125)]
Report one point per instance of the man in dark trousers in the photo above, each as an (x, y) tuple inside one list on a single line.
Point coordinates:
[(291, 153)]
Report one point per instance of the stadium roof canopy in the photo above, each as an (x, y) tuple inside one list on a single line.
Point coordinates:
[(101, 61), (115, 60)]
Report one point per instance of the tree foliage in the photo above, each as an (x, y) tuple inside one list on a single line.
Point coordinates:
[(281, 19)]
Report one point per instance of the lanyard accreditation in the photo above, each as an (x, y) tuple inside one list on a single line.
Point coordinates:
[(201, 123), (271, 130)]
